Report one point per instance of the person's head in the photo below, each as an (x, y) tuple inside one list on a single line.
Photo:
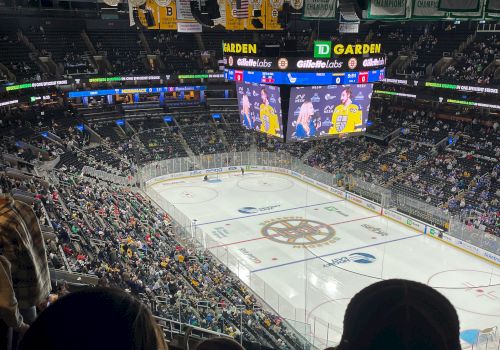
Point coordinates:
[(264, 96), (400, 314), (305, 113), (345, 96), (219, 344), (245, 103), (95, 319)]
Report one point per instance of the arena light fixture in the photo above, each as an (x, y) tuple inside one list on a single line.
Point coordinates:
[(113, 3), (137, 3)]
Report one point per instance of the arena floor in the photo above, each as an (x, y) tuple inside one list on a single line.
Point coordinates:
[(312, 251)]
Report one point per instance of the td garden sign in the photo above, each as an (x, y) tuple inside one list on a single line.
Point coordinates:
[(324, 49)]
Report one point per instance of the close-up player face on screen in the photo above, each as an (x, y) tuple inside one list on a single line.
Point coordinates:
[(345, 96)]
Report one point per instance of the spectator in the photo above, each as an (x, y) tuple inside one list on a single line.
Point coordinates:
[(400, 314), (95, 318), (25, 272), (219, 344)]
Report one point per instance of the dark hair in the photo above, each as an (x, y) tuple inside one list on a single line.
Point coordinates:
[(219, 344), (400, 314), (97, 319), (264, 90)]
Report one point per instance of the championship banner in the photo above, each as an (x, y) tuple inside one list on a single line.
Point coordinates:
[(387, 9), (475, 13), (459, 5), (425, 9), (185, 21), (493, 7), (319, 9)]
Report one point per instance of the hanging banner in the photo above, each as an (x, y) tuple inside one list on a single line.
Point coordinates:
[(233, 22), (493, 8), (222, 10), (427, 9), (131, 15), (272, 7), (256, 15), (165, 16), (476, 13), (185, 21), (187, 27), (319, 9), (459, 5), (387, 9)]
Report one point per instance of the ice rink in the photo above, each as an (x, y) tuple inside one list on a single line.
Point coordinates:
[(307, 252)]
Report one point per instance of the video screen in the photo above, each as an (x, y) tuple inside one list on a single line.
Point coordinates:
[(333, 110), (260, 108)]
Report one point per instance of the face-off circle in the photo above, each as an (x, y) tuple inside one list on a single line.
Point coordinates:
[(265, 184), (189, 194), (473, 291)]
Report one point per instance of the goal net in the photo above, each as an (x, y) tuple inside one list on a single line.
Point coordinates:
[(214, 177)]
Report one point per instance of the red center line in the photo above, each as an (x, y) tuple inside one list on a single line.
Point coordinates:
[(278, 234)]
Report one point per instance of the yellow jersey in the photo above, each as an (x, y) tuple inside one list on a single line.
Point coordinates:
[(269, 120), (346, 119)]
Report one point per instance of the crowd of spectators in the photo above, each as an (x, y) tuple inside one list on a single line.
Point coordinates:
[(119, 236), (470, 64)]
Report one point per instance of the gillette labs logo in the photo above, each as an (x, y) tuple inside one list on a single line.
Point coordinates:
[(253, 63), (319, 64)]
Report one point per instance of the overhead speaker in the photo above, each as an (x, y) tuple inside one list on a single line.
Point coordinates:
[(146, 20), (203, 19), (150, 19), (283, 15), (257, 23)]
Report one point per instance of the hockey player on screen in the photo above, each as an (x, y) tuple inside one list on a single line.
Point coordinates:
[(346, 117), (269, 119)]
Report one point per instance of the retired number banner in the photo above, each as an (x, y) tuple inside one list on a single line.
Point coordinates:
[(493, 6)]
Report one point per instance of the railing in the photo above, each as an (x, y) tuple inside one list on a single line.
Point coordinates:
[(312, 327), (171, 328), (106, 176)]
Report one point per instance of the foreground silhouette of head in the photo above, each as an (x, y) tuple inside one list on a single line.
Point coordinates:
[(400, 314), (219, 344), (95, 319)]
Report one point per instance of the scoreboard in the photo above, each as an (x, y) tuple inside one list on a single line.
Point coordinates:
[(305, 78)]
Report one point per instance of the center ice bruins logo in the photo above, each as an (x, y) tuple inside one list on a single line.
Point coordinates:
[(299, 232)]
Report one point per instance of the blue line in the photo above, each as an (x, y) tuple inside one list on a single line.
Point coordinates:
[(342, 251), (269, 212)]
